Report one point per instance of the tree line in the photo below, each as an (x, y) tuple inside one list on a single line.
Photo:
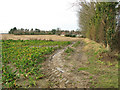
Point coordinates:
[(31, 31), (36, 31), (97, 20)]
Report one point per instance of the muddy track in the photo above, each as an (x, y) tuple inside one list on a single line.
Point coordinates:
[(62, 73)]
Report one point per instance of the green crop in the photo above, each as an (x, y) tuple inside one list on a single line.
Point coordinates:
[(23, 58)]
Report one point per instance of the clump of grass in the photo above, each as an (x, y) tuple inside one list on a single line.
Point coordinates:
[(82, 68), (76, 44), (69, 50), (91, 77), (98, 61), (104, 51), (66, 58)]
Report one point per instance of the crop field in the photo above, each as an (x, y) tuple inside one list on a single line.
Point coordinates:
[(22, 60), (37, 37)]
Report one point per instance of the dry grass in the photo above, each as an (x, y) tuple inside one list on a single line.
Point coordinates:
[(37, 37), (92, 45)]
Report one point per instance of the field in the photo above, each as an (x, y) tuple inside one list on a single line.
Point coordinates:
[(22, 60), (37, 37), (50, 61)]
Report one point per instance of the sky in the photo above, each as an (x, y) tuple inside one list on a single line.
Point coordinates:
[(41, 14)]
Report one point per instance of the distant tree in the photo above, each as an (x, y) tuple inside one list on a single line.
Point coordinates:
[(32, 32), (53, 31), (12, 30), (37, 30)]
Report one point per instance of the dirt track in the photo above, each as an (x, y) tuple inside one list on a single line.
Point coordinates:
[(62, 73), (37, 37)]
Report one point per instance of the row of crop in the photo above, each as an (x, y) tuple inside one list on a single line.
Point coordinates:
[(22, 43), (24, 62)]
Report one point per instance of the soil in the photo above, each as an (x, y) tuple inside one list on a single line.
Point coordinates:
[(63, 73)]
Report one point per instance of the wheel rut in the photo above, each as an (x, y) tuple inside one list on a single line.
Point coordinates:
[(63, 74)]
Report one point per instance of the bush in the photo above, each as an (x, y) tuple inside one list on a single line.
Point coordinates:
[(70, 35)]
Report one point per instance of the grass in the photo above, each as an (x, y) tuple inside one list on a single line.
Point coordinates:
[(82, 68), (106, 76), (69, 50), (106, 72), (76, 44), (91, 77)]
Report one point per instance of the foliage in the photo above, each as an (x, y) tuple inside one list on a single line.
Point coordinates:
[(97, 21), (43, 32), (70, 35), (12, 30)]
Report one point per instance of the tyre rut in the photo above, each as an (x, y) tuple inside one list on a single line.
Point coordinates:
[(57, 75)]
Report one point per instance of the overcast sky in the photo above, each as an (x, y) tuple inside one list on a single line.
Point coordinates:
[(41, 14)]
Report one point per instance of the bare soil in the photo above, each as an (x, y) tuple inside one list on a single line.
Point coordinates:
[(63, 73)]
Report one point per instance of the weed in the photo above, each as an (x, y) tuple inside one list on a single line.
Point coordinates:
[(69, 50), (98, 61), (66, 58), (76, 44), (60, 77), (82, 68), (91, 77), (109, 63), (40, 76), (104, 51), (32, 81)]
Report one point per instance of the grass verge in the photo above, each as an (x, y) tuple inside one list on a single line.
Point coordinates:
[(105, 71)]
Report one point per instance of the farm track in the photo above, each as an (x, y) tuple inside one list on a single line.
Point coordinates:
[(62, 74)]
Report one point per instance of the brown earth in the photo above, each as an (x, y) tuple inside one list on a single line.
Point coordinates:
[(37, 37), (63, 73)]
